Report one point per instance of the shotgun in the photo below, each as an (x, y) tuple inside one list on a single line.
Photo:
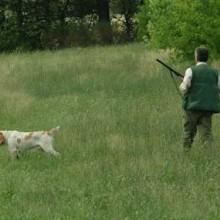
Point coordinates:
[(170, 69)]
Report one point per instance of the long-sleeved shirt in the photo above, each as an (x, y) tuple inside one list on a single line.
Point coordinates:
[(186, 83)]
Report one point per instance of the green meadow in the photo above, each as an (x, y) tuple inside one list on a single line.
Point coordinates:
[(120, 139)]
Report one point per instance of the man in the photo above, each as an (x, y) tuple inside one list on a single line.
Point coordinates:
[(200, 89)]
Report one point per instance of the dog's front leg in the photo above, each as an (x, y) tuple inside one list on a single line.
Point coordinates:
[(13, 152), (14, 155), (50, 150)]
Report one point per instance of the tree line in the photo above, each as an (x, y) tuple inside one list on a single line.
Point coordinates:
[(38, 24), (180, 25)]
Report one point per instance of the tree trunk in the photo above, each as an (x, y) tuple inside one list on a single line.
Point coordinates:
[(127, 11), (47, 12), (18, 9), (129, 27), (104, 31), (62, 22), (63, 13), (103, 10)]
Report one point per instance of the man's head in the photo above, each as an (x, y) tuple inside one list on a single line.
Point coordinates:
[(201, 54)]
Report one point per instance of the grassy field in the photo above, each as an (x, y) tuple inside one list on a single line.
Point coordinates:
[(120, 139)]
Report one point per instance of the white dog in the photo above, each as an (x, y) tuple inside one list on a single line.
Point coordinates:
[(20, 141)]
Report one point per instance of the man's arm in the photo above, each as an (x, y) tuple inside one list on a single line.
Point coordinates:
[(186, 83)]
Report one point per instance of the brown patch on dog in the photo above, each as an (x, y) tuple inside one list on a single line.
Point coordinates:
[(2, 138), (29, 136), (18, 140)]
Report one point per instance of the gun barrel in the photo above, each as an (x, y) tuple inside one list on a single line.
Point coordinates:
[(171, 69)]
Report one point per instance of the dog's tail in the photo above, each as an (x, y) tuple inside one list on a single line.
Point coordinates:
[(53, 131)]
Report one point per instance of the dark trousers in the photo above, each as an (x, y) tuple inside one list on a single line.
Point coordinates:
[(197, 120)]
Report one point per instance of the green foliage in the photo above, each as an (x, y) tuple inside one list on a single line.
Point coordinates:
[(9, 34), (184, 25), (31, 24), (28, 24), (143, 17), (128, 8)]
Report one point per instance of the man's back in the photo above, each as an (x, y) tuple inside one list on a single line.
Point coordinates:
[(203, 92)]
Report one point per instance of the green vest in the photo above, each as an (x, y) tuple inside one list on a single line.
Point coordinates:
[(203, 94)]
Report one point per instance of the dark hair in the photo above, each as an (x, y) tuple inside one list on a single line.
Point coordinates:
[(202, 54)]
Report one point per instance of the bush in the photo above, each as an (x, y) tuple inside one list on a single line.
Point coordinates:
[(183, 25), (142, 22), (118, 28), (85, 31)]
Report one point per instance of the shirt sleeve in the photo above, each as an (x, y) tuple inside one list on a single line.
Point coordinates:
[(186, 83)]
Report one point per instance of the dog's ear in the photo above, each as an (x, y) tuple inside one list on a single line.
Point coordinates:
[(2, 138)]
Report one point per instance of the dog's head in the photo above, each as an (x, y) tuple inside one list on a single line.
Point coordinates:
[(2, 138)]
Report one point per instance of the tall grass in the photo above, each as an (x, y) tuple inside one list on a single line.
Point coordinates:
[(120, 139)]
